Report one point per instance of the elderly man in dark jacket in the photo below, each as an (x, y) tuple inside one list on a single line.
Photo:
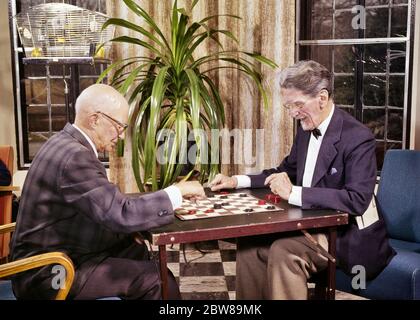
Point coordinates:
[(331, 165), (68, 205)]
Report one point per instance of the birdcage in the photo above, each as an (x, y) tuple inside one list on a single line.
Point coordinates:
[(63, 30)]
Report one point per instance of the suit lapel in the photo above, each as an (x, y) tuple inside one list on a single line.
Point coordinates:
[(328, 151), (302, 149)]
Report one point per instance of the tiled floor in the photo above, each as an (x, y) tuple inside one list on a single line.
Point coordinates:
[(207, 270)]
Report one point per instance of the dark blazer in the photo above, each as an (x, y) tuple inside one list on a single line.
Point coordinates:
[(68, 205), (344, 179)]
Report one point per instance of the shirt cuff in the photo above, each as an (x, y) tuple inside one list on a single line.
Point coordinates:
[(243, 181), (174, 195), (295, 197)]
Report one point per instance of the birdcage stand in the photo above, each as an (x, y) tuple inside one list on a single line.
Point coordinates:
[(69, 95)]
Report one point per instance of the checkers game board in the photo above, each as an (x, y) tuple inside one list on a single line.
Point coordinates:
[(225, 203)]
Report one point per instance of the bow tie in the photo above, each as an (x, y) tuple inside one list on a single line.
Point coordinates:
[(316, 132)]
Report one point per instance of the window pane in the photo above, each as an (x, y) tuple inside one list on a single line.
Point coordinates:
[(344, 59), (399, 22), (375, 58), (374, 119), (397, 57), (35, 142), (343, 25), (35, 91), (377, 23), (344, 90), (57, 91), (322, 21), (396, 91), (374, 90), (395, 124), (38, 118)]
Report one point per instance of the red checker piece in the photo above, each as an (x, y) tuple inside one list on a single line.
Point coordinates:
[(276, 199), (209, 211), (261, 202), (224, 192), (269, 197), (192, 211)]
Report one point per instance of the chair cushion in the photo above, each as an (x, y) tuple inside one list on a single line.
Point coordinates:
[(400, 280), (6, 292)]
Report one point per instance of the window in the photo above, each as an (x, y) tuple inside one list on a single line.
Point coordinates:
[(45, 93), (367, 46)]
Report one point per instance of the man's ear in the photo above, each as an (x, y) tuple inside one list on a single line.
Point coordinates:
[(323, 98), (93, 120)]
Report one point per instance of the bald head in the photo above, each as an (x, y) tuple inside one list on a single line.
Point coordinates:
[(99, 97), (99, 110)]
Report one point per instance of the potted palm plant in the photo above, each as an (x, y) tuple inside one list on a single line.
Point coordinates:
[(172, 94)]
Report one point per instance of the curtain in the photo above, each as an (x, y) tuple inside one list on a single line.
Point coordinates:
[(259, 138)]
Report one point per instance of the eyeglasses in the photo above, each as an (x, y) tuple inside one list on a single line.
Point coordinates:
[(121, 126), (301, 104), (297, 105)]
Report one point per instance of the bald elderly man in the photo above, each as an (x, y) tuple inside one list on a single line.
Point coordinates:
[(69, 205)]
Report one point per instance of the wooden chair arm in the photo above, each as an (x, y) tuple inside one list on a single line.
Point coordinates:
[(41, 260), (7, 228)]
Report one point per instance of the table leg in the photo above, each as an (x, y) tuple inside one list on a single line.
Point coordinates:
[(332, 238), (163, 271)]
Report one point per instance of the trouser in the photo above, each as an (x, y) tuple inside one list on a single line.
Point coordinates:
[(277, 269), (127, 276)]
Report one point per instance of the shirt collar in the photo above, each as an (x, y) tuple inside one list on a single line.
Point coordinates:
[(88, 139), (324, 124)]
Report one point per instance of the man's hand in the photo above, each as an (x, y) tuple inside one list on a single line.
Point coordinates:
[(191, 190), (223, 182), (280, 184)]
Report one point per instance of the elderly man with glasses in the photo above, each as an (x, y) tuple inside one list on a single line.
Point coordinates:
[(331, 165), (69, 205)]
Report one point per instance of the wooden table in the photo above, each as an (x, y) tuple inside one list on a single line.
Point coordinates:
[(291, 219)]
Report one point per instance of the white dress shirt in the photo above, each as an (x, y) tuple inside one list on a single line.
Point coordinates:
[(311, 158), (173, 192)]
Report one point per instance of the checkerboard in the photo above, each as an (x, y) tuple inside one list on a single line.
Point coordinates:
[(233, 203)]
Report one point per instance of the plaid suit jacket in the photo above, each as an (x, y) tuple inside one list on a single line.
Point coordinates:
[(68, 205)]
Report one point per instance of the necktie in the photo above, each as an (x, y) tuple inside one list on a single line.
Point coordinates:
[(316, 132)]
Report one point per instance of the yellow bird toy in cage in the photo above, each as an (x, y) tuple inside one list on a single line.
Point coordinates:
[(100, 54), (36, 52)]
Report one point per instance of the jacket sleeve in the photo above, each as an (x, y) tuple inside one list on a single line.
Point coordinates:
[(360, 179), (84, 185), (288, 165)]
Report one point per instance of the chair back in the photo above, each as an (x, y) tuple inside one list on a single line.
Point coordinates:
[(6, 198), (399, 194)]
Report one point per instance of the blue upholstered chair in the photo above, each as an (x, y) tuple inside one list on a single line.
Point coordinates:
[(399, 202)]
